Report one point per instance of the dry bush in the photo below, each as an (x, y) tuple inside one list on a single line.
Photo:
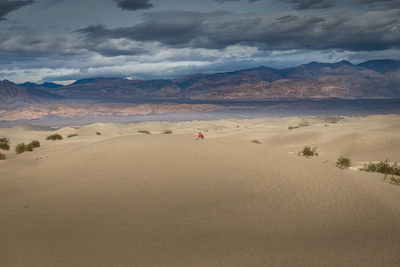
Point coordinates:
[(343, 163), (20, 148), (54, 137), (309, 152), (4, 144)]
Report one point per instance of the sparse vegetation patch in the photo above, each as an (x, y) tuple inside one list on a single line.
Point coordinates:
[(20, 148), (385, 167), (144, 131), (2, 156), (304, 123), (98, 133), (4, 144), (54, 137), (309, 151), (72, 135), (255, 141), (34, 144), (343, 163), (167, 132), (389, 169)]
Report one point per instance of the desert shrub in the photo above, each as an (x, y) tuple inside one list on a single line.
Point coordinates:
[(4, 144), (371, 167), (343, 163), (302, 124), (255, 141), (385, 167), (144, 131), (54, 137), (72, 135), (20, 148), (2, 156), (98, 133), (167, 132), (28, 147), (34, 144), (309, 152)]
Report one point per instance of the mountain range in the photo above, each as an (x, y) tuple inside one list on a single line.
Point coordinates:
[(371, 79)]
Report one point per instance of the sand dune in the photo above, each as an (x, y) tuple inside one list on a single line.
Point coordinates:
[(129, 199)]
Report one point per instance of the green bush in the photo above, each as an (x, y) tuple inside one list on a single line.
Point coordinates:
[(309, 152), (255, 141), (28, 147), (343, 163), (385, 167), (54, 137), (167, 132), (144, 131), (20, 148), (2, 156), (371, 167), (72, 135), (4, 144), (34, 144)]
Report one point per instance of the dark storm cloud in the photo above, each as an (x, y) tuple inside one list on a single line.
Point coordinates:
[(222, 1), (366, 31), (310, 4), (172, 28), (287, 18), (386, 3), (9, 6), (133, 4)]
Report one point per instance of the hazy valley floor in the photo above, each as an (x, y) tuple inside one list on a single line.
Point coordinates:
[(129, 199)]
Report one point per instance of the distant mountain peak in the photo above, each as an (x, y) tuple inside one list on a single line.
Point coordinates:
[(95, 79), (315, 64), (45, 85), (381, 65)]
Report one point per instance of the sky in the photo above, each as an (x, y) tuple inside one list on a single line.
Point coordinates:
[(66, 40)]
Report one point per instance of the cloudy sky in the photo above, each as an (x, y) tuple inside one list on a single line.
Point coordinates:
[(66, 40)]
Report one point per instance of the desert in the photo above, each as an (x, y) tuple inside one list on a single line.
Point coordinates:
[(199, 133), (153, 194)]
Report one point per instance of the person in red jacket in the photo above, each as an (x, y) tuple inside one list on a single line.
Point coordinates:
[(200, 135)]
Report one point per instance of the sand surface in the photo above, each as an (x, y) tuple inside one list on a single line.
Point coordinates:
[(131, 199)]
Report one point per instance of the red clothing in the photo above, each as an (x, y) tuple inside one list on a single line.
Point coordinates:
[(201, 136)]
